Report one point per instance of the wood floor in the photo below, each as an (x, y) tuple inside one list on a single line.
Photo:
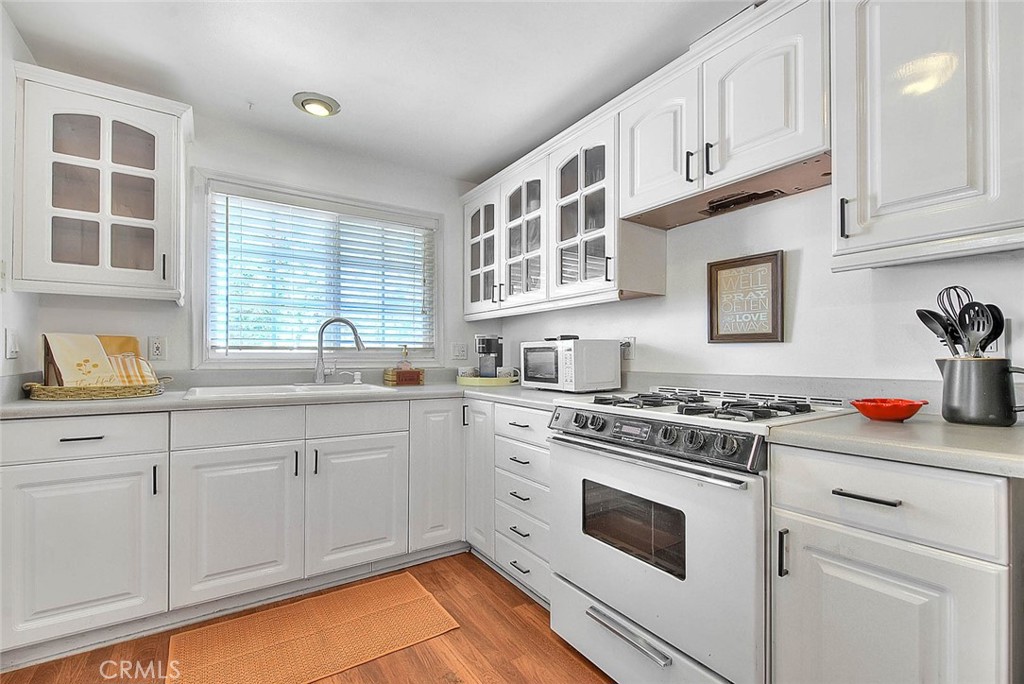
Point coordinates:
[(503, 637)]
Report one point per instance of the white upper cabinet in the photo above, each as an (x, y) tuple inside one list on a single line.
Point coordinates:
[(661, 155), (101, 175), (482, 254), (929, 130), (765, 97), (524, 228)]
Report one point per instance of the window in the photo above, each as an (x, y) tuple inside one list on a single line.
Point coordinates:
[(279, 264)]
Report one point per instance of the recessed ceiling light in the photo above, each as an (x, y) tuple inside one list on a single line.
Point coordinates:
[(316, 104)]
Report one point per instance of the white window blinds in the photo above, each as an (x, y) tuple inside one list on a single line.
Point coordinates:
[(277, 270)]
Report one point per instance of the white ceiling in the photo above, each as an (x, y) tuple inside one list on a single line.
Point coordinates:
[(457, 89)]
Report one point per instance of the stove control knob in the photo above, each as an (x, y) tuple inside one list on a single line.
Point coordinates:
[(667, 434), (693, 439), (580, 421), (596, 422), (726, 445)]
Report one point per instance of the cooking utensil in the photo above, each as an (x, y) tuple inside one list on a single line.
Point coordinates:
[(943, 328), (951, 300), (975, 322), (998, 324)]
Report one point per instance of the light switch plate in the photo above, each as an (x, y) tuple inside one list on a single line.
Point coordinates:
[(460, 352), (11, 350)]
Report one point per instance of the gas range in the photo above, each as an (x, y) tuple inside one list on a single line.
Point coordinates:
[(726, 429)]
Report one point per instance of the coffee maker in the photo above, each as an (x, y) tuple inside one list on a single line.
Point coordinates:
[(489, 349)]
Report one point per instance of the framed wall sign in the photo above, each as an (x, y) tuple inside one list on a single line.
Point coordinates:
[(745, 299)]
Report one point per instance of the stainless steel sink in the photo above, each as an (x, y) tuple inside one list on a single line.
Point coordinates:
[(272, 391)]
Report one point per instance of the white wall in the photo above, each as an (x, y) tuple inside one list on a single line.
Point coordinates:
[(859, 324)]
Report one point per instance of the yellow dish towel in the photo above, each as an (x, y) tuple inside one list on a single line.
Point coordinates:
[(132, 370), (115, 345), (81, 360)]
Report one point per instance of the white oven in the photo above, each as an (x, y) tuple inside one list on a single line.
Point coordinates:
[(572, 365), (661, 559)]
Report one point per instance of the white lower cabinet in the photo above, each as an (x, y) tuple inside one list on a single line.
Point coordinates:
[(437, 472), (236, 520), (480, 476), (357, 500), (84, 545)]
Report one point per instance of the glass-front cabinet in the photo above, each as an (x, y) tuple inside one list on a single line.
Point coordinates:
[(582, 182), (523, 235), (101, 190), (482, 254)]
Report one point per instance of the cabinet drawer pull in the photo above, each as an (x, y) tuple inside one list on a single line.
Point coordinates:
[(892, 503), (515, 529), (465, 420), (518, 496), (296, 463), (783, 570), (519, 425), (94, 438), (842, 218), (163, 267), (516, 565), (689, 178), (154, 480), (316, 461), (707, 159), (635, 640), (517, 460)]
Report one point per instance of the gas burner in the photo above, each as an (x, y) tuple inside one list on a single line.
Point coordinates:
[(695, 410), (646, 400), (774, 408), (746, 413), (608, 400), (680, 398)]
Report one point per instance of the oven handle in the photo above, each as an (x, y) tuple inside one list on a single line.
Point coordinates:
[(629, 636), (639, 458)]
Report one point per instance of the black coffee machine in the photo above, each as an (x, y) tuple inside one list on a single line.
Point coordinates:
[(489, 349)]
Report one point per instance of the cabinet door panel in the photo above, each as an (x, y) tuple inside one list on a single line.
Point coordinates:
[(860, 607), (357, 500), (524, 237), (236, 520), (437, 474), (482, 250), (84, 545), (480, 476)]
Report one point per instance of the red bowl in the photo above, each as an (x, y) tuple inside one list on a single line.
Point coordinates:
[(882, 408)]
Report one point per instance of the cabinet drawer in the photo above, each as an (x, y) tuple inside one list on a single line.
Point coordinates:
[(522, 459), (529, 425), (607, 639), (961, 512), (525, 566), (340, 420), (521, 494), (59, 439), (522, 529), (227, 427)]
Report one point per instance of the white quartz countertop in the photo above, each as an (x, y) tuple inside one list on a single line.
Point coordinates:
[(925, 439), (174, 401)]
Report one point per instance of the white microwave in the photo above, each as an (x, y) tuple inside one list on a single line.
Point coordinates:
[(571, 365)]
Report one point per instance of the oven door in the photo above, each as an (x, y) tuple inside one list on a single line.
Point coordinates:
[(678, 548), (539, 366)]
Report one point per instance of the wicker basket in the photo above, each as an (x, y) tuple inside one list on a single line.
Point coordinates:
[(395, 377), (58, 393)]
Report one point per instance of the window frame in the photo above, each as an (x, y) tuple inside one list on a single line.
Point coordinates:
[(203, 358)]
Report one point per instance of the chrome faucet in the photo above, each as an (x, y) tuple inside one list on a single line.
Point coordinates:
[(319, 376)]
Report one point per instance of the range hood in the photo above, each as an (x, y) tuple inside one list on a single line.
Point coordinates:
[(793, 179)]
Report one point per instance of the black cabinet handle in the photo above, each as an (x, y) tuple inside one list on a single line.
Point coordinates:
[(316, 461), (515, 565), (518, 460), (842, 218), (689, 178), (501, 292), (94, 438), (518, 496), (494, 289), (296, 463), (163, 268), (783, 570), (892, 503), (515, 529), (154, 480), (465, 419), (607, 262), (519, 425), (707, 159)]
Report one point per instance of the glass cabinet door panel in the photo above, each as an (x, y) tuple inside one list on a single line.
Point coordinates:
[(474, 256), (532, 196), (488, 251), (77, 135), (515, 204), (533, 274), (132, 247), (594, 250), (74, 241), (593, 171), (515, 278), (474, 224), (593, 210), (568, 177), (76, 187), (132, 196), (474, 288), (488, 218), (132, 146), (533, 234), (488, 291), (568, 220), (515, 240), (569, 264)]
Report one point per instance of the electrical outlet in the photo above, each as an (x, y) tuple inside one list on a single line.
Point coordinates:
[(157, 348), (460, 352), (11, 350), (628, 348)]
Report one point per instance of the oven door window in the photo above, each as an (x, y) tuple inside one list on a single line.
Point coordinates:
[(540, 364), (653, 532)]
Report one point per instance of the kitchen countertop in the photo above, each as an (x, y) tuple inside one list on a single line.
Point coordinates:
[(173, 401), (925, 439)]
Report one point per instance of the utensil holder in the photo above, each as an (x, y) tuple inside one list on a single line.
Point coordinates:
[(978, 391)]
